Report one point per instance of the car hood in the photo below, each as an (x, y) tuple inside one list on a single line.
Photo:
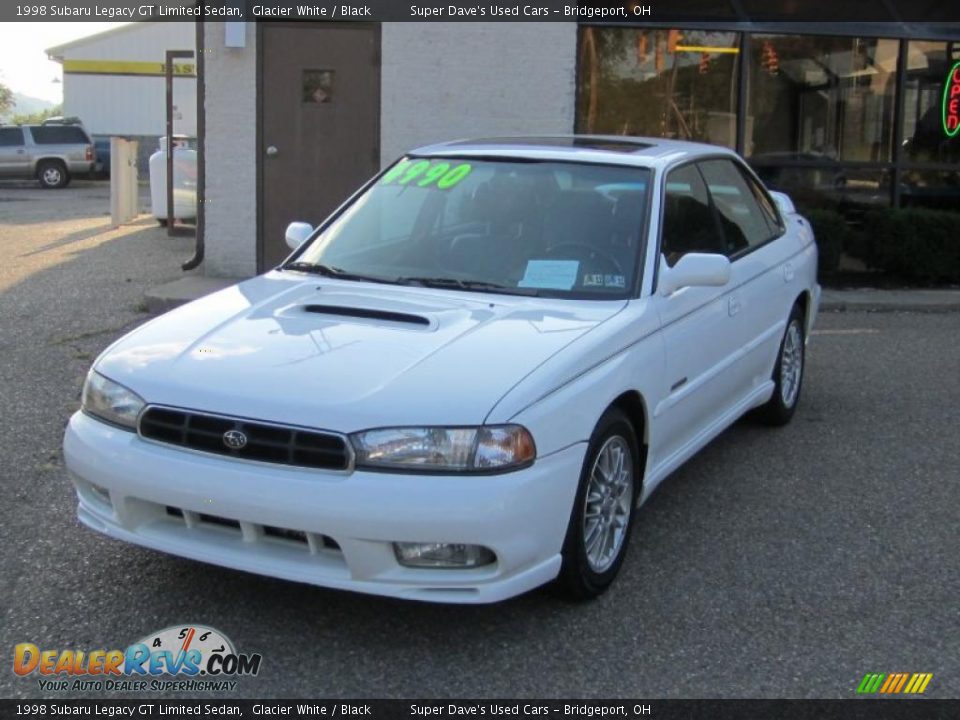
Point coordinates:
[(344, 355)]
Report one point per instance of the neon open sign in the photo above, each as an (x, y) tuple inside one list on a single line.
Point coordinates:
[(951, 102)]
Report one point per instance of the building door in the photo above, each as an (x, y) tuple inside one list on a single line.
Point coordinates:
[(320, 123)]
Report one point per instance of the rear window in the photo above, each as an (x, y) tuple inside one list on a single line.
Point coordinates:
[(59, 135), (11, 136)]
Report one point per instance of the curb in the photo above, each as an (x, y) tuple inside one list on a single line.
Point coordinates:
[(887, 301)]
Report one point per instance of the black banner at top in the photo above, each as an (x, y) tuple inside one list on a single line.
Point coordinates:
[(898, 12)]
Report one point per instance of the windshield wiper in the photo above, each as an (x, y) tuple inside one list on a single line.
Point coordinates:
[(457, 284), (332, 272)]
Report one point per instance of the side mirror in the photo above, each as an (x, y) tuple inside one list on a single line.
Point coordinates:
[(783, 202), (297, 234), (695, 270)]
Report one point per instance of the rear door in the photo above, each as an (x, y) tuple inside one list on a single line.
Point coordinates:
[(761, 279), (68, 142), (14, 161)]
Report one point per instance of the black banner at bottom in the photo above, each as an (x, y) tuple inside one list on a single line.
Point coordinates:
[(854, 709)]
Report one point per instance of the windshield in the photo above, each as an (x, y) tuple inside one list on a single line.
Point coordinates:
[(519, 227)]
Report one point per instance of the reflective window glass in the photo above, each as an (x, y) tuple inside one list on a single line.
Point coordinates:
[(815, 98), (660, 83), (689, 223)]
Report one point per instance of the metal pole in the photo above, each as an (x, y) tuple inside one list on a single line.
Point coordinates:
[(171, 55), (898, 110), (201, 152)]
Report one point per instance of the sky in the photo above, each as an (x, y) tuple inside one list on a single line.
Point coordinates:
[(24, 66)]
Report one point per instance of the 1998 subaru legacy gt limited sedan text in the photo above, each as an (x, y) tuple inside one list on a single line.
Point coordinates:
[(465, 381)]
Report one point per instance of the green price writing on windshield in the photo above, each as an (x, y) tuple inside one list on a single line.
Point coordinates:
[(423, 173)]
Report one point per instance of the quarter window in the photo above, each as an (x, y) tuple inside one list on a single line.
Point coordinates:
[(745, 224), (689, 223), (10, 137)]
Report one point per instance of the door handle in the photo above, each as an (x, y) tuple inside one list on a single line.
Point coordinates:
[(272, 151), (734, 305)]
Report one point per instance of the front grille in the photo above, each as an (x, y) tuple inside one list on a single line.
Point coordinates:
[(264, 442)]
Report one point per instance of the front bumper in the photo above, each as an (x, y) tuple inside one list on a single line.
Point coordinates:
[(226, 512)]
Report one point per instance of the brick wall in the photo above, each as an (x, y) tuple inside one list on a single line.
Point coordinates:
[(230, 109)]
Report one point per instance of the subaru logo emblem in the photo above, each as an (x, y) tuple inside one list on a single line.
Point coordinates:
[(234, 439)]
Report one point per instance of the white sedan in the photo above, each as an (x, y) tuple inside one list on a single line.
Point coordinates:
[(464, 383)]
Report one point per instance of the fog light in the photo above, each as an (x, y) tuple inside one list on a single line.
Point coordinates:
[(442, 555), (102, 494)]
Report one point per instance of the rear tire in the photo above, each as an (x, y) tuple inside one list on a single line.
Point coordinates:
[(787, 373), (52, 174), (601, 520)]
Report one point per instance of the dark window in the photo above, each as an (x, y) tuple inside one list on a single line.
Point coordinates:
[(11, 136), (820, 99), (689, 223), (59, 135), (770, 213), (663, 83), (930, 132), (745, 224), (318, 86)]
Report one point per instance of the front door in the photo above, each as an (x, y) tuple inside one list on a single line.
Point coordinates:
[(698, 327), (320, 123)]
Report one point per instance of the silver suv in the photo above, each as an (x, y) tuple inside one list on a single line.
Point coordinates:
[(50, 153)]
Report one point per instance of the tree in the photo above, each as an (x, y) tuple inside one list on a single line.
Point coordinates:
[(37, 117), (6, 99)]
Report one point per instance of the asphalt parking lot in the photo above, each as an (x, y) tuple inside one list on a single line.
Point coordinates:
[(778, 563)]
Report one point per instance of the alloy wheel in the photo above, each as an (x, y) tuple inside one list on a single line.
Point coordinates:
[(607, 504)]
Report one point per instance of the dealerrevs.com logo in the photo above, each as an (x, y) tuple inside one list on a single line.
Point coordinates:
[(200, 657)]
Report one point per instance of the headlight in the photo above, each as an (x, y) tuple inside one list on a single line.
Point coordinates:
[(110, 401), (492, 448)]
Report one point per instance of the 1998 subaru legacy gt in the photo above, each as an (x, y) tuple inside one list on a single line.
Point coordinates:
[(465, 381)]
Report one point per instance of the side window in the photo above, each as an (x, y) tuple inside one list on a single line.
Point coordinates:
[(689, 223), (58, 135), (770, 212), (745, 223), (11, 136)]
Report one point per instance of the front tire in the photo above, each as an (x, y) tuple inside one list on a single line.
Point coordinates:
[(602, 517), (787, 373), (52, 174)]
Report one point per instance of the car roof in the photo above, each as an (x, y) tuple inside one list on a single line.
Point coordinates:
[(599, 149)]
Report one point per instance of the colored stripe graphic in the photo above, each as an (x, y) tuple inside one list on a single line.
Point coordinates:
[(870, 683), (126, 67), (894, 683), (918, 683)]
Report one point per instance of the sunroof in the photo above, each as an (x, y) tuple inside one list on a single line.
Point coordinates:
[(589, 143)]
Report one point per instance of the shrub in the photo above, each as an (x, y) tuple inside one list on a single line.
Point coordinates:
[(832, 234), (916, 244)]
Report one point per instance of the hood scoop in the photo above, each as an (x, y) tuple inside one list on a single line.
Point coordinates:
[(369, 314)]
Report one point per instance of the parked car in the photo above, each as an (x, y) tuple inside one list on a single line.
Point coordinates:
[(51, 153), (101, 146), (464, 382)]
